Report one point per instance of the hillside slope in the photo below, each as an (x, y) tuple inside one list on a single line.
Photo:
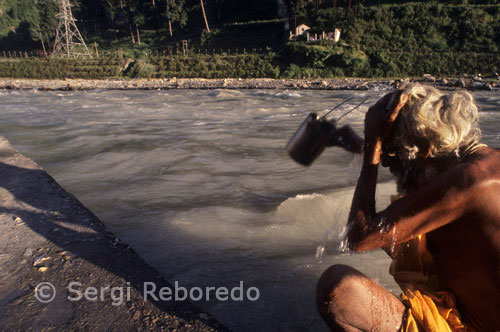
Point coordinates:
[(380, 38)]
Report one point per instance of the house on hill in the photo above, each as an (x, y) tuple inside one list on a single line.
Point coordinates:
[(299, 31), (303, 30)]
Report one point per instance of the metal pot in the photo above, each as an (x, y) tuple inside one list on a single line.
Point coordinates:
[(310, 140)]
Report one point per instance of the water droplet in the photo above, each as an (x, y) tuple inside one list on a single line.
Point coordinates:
[(394, 240), (344, 243), (320, 251)]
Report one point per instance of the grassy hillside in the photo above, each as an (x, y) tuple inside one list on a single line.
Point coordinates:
[(409, 39), (380, 38)]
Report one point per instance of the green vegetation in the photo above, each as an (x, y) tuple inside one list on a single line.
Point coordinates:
[(24, 23), (201, 65), (410, 39), (58, 68), (380, 38)]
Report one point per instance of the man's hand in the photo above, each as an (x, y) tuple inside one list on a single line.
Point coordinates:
[(347, 139), (379, 122)]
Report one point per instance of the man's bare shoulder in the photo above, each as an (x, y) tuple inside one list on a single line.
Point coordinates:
[(483, 166), (482, 173), (474, 171)]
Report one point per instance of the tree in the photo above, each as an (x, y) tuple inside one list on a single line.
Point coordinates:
[(169, 18), (204, 15), (138, 20), (175, 13), (47, 22)]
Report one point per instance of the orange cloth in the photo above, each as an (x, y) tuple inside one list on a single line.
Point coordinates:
[(429, 309), (430, 312), (413, 265)]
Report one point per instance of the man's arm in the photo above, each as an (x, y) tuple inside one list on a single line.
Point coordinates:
[(448, 197), (445, 199)]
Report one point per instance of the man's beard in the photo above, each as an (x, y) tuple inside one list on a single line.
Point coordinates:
[(411, 175)]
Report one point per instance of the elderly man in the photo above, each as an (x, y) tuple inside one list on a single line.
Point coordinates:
[(442, 230)]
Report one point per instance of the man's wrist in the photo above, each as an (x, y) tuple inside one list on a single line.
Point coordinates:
[(373, 150)]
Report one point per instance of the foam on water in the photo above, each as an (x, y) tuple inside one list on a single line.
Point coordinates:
[(304, 218), (281, 95), (279, 246)]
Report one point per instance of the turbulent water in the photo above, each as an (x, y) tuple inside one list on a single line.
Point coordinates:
[(199, 183)]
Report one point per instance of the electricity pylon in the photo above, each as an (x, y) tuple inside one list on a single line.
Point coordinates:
[(69, 42)]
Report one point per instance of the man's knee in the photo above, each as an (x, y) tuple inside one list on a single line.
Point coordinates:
[(335, 288), (337, 278), (348, 301)]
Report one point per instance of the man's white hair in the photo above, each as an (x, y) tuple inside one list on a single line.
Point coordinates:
[(445, 122)]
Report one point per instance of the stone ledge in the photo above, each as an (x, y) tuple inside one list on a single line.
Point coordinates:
[(46, 234)]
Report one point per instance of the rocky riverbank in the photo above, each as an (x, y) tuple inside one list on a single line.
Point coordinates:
[(473, 83)]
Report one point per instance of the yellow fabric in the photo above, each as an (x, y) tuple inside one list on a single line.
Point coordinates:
[(428, 308), (413, 265), (430, 312)]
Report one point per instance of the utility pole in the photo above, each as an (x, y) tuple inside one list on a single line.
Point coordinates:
[(69, 42)]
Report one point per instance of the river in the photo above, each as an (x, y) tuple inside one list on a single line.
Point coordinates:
[(198, 182)]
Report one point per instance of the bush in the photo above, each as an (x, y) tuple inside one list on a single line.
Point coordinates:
[(141, 69)]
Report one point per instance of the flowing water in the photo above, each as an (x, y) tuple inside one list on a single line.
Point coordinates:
[(199, 183)]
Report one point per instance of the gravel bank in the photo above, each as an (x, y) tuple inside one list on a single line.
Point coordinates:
[(232, 83)]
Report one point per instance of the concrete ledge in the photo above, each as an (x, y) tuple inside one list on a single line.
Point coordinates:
[(47, 235)]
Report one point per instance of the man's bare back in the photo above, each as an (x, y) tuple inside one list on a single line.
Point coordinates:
[(467, 250), (453, 202)]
